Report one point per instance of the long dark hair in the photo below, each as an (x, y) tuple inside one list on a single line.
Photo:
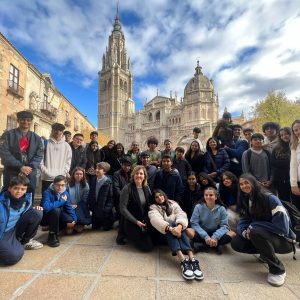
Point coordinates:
[(189, 152), (72, 179), (210, 183), (166, 203), (258, 197), (233, 189), (283, 148)]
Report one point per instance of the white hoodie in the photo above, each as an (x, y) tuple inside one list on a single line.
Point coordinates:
[(57, 160)]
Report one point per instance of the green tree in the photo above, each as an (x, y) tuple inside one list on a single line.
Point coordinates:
[(275, 107)]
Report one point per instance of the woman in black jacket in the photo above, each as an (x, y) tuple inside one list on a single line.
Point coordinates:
[(195, 157), (134, 207), (280, 165)]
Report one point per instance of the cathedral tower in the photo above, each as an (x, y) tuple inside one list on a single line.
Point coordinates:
[(115, 87)]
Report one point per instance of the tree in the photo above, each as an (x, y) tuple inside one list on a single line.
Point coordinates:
[(275, 107)]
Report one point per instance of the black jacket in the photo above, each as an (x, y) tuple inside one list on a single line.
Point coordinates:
[(10, 154), (78, 157), (102, 206)]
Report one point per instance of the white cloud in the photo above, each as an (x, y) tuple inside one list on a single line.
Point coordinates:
[(166, 42)]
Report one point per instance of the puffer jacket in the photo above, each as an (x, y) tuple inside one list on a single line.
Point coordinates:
[(159, 219)]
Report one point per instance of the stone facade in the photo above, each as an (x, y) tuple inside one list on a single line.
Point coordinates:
[(163, 117), (23, 87)]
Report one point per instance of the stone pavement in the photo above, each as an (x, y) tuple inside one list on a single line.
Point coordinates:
[(92, 266)]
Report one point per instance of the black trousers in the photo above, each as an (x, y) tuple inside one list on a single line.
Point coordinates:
[(11, 245), (45, 185), (266, 244), (56, 219)]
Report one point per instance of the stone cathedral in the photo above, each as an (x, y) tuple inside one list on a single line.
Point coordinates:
[(162, 117)]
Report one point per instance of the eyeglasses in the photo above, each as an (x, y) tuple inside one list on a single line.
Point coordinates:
[(59, 184)]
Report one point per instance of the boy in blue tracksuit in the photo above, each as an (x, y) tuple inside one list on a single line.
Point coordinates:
[(19, 221), (58, 211)]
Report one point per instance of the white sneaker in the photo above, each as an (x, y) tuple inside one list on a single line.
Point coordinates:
[(276, 280), (33, 245)]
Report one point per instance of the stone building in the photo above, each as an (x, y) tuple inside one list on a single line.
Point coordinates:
[(24, 87), (163, 117)]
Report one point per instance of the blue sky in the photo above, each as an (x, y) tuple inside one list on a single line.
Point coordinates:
[(247, 47)]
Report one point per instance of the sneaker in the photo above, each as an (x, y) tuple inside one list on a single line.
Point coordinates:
[(33, 245), (53, 240), (186, 270), (196, 269), (276, 280), (201, 247)]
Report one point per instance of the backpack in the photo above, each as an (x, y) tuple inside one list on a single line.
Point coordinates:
[(294, 215)]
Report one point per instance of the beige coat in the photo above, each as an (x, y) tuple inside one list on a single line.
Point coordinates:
[(160, 220)]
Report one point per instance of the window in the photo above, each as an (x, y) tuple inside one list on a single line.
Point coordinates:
[(67, 116), (157, 116), (11, 122), (75, 124), (150, 117), (13, 77)]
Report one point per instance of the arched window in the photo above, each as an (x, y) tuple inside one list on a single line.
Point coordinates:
[(108, 83), (121, 84), (157, 116), (150, 118), (125, 86)]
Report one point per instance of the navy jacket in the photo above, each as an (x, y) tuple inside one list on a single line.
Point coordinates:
[(102, 206), (170, 183), (221, 161), (79, 158), (4, 210), (52, 200)]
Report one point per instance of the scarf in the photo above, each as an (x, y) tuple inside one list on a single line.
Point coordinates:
[(15, 203)]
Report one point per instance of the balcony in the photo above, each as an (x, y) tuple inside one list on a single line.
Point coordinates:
[(76, 128), (15, 89), (49, 109), (67, 123)]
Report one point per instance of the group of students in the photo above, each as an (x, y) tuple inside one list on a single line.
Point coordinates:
[(193, 201)]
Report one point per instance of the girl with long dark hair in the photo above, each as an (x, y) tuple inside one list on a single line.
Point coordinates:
[(78, 189), (263, 227), (195, 157), (168, 218), (280, 165)]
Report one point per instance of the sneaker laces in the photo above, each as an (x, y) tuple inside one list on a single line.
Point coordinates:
[(195, 264)]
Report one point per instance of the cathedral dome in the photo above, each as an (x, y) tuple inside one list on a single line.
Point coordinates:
[(198, 82)]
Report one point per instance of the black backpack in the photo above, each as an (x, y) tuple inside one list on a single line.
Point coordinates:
[(294, 214)]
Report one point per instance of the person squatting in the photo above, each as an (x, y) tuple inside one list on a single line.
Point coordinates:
[(230, 192)]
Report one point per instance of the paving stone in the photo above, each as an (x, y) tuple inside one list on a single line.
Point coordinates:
[(80, 258), (56, 286), (101, 238), (192, 290), (294, 288), (127, 261), (233, 266), (37, 259), (253, 291), (10, 282), (292, 268), (124, 288)]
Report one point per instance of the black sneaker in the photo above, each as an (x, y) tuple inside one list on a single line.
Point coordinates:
[(201, 247), (186, 270), (196, 269), (53, 240)]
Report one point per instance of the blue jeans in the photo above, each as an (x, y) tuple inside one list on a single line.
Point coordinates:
[(175, 243)]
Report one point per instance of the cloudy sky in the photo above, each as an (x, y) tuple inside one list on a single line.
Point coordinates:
[(247, 47)]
